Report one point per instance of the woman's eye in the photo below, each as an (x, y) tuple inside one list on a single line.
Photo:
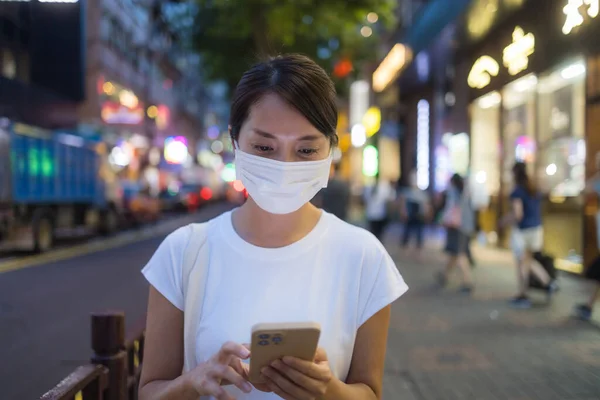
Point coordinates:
[(308, 152), (263, 149)]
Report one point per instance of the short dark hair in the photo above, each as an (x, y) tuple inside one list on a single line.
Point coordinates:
[(458, 182), (299, 81), (522, 178)]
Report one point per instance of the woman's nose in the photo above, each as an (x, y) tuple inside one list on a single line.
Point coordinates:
[(287, 155)]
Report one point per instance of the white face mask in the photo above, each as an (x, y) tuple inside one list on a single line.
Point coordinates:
[(281, 187)]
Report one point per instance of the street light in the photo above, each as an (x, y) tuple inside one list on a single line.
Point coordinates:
[(366, 31), (358, 135)]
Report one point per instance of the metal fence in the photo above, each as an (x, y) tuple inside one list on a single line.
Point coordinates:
[(116, 363)]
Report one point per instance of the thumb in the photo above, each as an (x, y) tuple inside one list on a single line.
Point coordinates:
[(320, 355)]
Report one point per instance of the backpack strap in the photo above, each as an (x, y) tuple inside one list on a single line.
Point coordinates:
[(194, 278)]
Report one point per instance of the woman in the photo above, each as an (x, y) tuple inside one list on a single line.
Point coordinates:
[(377, 199), (459, 220), (584, 311), (277, 258), (527, 234)]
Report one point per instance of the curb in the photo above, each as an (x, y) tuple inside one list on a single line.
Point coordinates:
[(122, 239)]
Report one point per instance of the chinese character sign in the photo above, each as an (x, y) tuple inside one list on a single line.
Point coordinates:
[(574, 16), (516, 55)]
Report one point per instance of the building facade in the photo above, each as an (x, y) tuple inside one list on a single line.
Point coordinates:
[(532, 73), (42, 61)]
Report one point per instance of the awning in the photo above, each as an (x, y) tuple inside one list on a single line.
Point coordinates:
[(430, 21)]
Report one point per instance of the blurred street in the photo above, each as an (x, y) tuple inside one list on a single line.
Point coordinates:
[(442, 345), (45, 310)]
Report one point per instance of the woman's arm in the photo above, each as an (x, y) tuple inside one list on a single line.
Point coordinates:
[(163, 353), (365, 379), (517, 209)]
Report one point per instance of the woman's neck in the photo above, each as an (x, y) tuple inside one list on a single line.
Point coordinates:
[(263, 229)]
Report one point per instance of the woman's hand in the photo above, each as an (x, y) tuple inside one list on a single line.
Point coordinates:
[(295, 379), (225, 366)]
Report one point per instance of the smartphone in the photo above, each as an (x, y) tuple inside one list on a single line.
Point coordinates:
[(275, 341)]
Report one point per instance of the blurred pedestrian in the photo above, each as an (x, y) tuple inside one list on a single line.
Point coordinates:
[(377, 198), (275, 259), (459, 220), (335, 198), (527, 235), (415, 211), (584, 311)]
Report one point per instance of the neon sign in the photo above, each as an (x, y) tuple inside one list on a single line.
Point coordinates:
[(423, 144), (482, 72), (573, 14), (516, 55)]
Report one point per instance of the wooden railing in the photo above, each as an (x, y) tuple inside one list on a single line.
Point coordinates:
[(116, 364)]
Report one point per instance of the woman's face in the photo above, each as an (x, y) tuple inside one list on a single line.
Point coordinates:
[(277, 131)]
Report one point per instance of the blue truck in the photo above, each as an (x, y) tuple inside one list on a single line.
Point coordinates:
[(53, 184)]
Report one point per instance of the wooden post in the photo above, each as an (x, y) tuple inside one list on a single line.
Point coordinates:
[(108, 343)]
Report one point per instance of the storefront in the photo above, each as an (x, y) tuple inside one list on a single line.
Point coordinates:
[(531, 82)]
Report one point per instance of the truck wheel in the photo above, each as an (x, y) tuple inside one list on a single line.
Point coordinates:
[(110, 222), (43, 234)]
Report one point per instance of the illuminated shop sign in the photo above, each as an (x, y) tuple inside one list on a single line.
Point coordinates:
[(391, 66), (515, 58), (482, 72), (423, 144), (516, 55), (574, 17), (115, 113)]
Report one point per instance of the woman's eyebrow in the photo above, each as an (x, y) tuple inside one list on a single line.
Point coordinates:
[(264, 134), (272, 136)]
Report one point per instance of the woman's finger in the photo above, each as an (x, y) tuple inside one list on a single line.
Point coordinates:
[(308, 368), (297, 377), (228, 374), (290, 388), (278, 391), (232, 349)]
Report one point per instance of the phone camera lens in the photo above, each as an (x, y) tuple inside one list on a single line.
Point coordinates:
[(263, 343), (264, 336), (277, 339)]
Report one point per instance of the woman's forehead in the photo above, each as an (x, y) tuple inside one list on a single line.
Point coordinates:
[(273, 116)]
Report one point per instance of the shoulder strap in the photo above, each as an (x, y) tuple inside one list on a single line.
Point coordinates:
[(195, 271)]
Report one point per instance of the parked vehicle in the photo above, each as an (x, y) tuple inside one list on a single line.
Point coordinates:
[(139, 205), (53, 184)]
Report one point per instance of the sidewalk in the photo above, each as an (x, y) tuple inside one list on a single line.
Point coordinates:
[(447, 346)]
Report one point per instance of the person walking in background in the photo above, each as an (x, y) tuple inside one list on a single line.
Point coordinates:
[(335, 198), (584, 311), (377, 198), (415, 210), (527, 235), (459, 220)]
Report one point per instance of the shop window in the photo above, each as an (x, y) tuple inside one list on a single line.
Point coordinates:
[(561, 124), (519, 144), (485, 139)]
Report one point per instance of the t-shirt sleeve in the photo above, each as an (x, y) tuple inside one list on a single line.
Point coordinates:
[(381, 285), (516, 194), (164, 270)]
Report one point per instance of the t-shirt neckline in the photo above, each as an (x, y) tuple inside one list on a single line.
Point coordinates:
[(249, 250)]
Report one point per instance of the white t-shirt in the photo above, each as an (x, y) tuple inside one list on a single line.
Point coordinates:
[(338, 275)]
